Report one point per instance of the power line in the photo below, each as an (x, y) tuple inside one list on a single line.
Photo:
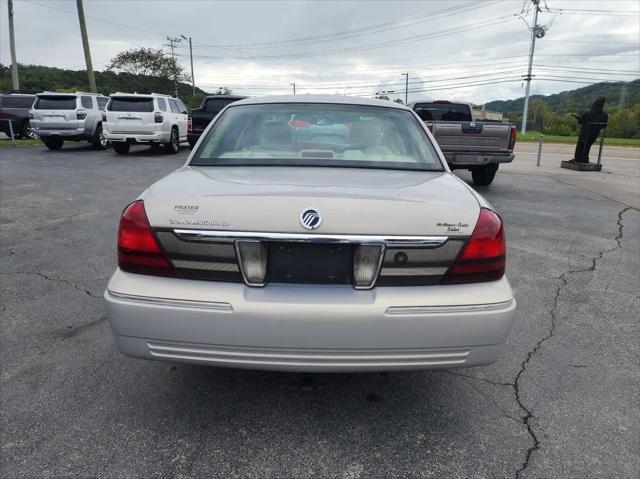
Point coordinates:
[(97, 19), (386, 26), (400, 41)]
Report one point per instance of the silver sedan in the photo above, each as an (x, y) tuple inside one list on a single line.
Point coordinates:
[(312, 233)]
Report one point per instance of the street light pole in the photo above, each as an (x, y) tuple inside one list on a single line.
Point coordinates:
[(193, 80), (406, 88), (294, 87), (534, 32)]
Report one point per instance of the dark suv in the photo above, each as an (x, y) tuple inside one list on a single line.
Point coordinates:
[(14, 108)]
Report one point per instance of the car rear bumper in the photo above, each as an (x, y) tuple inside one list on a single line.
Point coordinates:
[(309, 327), (155, 137), (67, 134), (465, 160), (194, 136)]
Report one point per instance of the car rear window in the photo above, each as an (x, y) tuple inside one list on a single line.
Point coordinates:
[(55, 103), (307, 134), (11, 101), (215, 105), (131, 104), (443, 111)]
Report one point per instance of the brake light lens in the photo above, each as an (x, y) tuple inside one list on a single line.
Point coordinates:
[(81, 114), (189, 124), (483, 258), (138, 249), (512, 139), (158, 117)]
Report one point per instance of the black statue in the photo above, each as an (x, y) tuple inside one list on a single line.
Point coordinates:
[(592, 122)]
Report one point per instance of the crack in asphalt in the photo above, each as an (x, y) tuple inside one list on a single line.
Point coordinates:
[(528, 416), (515, 385), (58, 280)]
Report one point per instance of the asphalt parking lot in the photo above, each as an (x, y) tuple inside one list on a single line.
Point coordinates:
[(562, 402)]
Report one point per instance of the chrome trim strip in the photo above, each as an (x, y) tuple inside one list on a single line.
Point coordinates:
[(465, 308), (346, 364), (304, 356), (389, 240), (168, 302)]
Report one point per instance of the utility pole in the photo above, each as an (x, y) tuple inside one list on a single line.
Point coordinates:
[(85, 46), (406, 88), (294, 87), (535, 30), (12, 47), (172, 44), (193, 80)]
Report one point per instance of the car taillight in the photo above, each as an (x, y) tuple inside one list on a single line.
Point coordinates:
[(189, 124), (483, 258), (512, 138), (104, 117), (81, 114), (158, 117), (138, 249)]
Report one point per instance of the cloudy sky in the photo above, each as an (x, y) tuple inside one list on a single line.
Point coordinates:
[(471, 50)]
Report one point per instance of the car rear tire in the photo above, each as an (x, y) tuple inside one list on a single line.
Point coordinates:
[(53, 143), (99, 142), (121, 148), (174, 142), (484, 175)]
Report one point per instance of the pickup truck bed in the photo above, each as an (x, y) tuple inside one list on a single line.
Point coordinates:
[(479, 147)]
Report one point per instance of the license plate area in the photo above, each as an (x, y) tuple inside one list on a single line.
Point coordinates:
[(309, 263)]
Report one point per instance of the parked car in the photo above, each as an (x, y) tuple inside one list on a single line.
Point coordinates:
[(14, 108), (200, 117), (153, 119), (467, 144), (60, 117), (270, 252)]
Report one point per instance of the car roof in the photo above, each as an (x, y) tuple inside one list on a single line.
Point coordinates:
[(141, 95), (329, 99), (444, 102), (226, 97), (75, 93)]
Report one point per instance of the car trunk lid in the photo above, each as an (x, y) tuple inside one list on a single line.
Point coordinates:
[(351, 201)]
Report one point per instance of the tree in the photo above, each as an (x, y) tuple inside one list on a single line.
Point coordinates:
[(223, 90), (382, 97), (398, 100), (155, 70)]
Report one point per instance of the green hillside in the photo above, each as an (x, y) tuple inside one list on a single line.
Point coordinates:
[(41, 78), (551, 114)]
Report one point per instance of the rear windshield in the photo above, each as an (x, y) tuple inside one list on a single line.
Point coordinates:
[(55, 103), (131, 104), (11, 101), (318, 135), (443, 111), (214, 105)]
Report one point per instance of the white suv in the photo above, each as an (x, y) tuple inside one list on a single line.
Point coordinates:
[(153, 119), (60, 117)]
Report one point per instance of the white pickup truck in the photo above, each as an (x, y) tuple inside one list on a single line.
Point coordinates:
[(479, 147)]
